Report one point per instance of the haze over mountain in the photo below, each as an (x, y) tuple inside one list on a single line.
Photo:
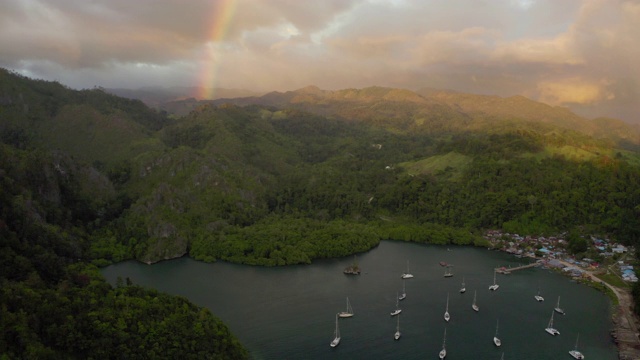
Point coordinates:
[(156, 96), (579, 54), (441, 109)]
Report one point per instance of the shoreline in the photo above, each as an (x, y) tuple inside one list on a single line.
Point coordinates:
[(625, 322)]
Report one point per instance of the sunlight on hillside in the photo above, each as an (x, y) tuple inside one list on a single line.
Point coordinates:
[(578, 154), (452, 164)]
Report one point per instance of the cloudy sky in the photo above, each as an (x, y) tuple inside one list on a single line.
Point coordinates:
[(584, 54)]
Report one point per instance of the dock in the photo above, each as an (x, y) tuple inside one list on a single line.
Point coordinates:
[(504, 270)]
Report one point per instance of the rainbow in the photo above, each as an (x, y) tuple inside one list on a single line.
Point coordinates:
[(223, 12)]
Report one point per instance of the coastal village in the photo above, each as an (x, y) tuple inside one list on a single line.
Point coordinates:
[(603, 262), (551, 251)]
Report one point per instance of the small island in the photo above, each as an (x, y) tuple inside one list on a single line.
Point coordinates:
[(352, 269)]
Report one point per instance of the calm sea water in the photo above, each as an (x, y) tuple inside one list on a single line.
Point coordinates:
[(289, 312)]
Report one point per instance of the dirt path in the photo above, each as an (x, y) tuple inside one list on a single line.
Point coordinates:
[(626, 323)]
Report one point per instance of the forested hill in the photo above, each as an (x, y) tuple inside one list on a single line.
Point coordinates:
[(89, 178), (432, 111), (54, 304), (271, 185)]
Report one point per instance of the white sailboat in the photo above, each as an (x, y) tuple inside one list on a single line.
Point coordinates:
[(575, 353), (447, 271), (447, 317), (443, 352), (558, 309), (539, 297), (550, 329), (474, 306), (407, 274), (336, 335), (397, 334), (397, 310), (497, 340), (495, 286), (348, 313), (404, 293), (463, 288)]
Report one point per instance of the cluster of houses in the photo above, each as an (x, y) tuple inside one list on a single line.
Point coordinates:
[(628, 273), (530, 246), (552, 249)]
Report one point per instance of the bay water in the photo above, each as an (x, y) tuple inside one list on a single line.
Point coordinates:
[(289, 312)]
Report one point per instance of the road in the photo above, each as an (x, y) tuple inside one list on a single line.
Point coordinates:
[(625, 321)]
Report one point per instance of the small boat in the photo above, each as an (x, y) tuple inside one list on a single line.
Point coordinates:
[(558, 309), (463, 289), (407, 274), (550, 329), (404, 293), (447, 317), (575, 353), (474, 306), (443, 352), (336, 335), (442, 263), (539, 297), (495, 286), (397, 310), (447, 271), (497, 340), (396, 336), (348, 313)]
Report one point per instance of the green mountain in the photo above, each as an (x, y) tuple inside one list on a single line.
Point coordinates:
[(157, 97), (188, 185), (432, 111), (286, 178), (53, 197), (91, 125)]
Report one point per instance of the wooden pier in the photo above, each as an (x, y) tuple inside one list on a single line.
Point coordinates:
[(504, 270)]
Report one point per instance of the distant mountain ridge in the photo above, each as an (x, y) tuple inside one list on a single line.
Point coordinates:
[(440, 110), (155, 96)]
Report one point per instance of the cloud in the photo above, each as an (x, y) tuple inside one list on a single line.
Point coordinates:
[(558, 50), (578, 53), (573, 90)]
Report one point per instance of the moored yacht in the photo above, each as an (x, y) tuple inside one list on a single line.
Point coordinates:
[(336, 333), (550, 329), (575, 353), (539, 297), (495, 286), (407, 274), (447, 317), (443, 352), (496, 339), (404, 293), (347, 313), (447, 271), (474, 306), (558, 309), (397, 310)]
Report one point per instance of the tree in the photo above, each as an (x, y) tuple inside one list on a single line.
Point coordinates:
[(577, 243)]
